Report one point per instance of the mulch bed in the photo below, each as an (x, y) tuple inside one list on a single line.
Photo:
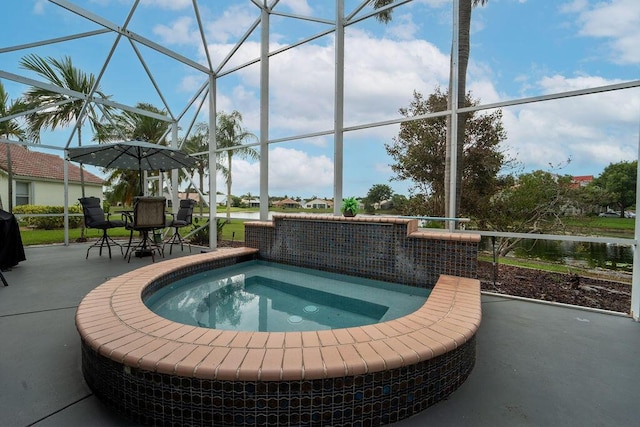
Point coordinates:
[(558, 287)]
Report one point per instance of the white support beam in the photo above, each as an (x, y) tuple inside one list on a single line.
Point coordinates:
[(175, 203), (338, 114), (635, 280), (213, 229), (151, 78), (65, 175), (53, 41), (129, 34), (264, 115), (79, 95)]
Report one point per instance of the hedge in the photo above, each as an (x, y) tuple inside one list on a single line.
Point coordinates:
[(48, 222)]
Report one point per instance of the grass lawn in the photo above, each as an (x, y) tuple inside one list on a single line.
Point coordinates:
[(232, 231), (601, 226)]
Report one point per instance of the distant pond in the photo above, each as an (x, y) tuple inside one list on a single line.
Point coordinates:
[(582, 254)]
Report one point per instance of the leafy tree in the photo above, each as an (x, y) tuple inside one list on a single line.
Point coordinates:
[(398, 201), (464, 49), (419, 154), (531, 203), (588, 198), (8, 128), (132, 126), (618, 180), (378, 193)]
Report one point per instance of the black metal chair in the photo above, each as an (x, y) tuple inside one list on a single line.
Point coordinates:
[(183, 218), (148, 216), (94, 217)]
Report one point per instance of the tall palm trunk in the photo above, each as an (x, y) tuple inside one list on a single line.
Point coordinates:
[(464, 23)]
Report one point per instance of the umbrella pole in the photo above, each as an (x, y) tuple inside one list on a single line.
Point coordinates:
[(141, 181)]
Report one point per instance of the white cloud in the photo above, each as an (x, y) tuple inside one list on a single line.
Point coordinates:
[(190, 83), (38, 7), (380, 76), (181, 31), (233, 22), (290, 172), (617, 21), (402, 27), (591, 130), (299, 7), (168, 4)]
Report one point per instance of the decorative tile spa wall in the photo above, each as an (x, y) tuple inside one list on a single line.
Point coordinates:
[(373, 399), (390, 249)]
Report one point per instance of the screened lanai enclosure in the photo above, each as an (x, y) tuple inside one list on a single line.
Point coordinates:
[(323, 87)]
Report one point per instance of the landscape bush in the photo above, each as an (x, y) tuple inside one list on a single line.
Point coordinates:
[(47, 222)]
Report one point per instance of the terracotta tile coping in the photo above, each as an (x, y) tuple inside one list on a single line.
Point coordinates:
[(113, 320), (412, 225)]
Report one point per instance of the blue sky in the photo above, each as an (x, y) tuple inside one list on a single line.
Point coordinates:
[(519, 48)]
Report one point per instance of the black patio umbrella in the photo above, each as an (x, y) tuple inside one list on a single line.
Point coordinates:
[(133, 155)]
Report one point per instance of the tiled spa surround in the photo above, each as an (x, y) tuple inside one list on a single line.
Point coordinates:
[(159, 372), (381, 248)]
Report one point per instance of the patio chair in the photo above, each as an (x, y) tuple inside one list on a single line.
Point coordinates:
[(148, 216), (94, 217), (183, 218)]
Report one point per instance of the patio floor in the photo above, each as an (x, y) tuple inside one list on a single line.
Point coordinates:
[(537, 365)]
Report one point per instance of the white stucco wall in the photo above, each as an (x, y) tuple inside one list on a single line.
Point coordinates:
[(50, 193)]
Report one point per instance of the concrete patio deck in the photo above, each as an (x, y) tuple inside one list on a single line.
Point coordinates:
[(537, 365)]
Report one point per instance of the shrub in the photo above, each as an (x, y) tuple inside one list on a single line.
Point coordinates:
[(201, 237), (48, 222)]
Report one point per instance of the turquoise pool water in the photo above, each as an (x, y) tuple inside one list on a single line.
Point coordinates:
[(271, 297)]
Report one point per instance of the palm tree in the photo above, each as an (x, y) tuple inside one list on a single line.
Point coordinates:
[(57, 109), (464, 26), (230, 133), (199, 143), (10, 128), (132, 126)]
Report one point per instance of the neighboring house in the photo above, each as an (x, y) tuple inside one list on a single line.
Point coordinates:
[(578, 182), (581, 181), (385, 204), (318, 204), (221, 199), (287, 203), (193, 195), (38, 179), (252, 203)]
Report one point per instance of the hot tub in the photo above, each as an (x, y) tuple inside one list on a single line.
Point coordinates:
[(156, 371)]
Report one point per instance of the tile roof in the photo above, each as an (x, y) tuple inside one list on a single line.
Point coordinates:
[(33, 164)]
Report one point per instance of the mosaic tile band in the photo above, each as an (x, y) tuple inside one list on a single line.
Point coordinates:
[(374, 399), (390, 249)]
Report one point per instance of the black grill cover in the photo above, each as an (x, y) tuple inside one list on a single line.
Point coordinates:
[(11, 249)]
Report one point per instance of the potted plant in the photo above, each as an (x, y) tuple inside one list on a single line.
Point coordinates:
[(349, 207)]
